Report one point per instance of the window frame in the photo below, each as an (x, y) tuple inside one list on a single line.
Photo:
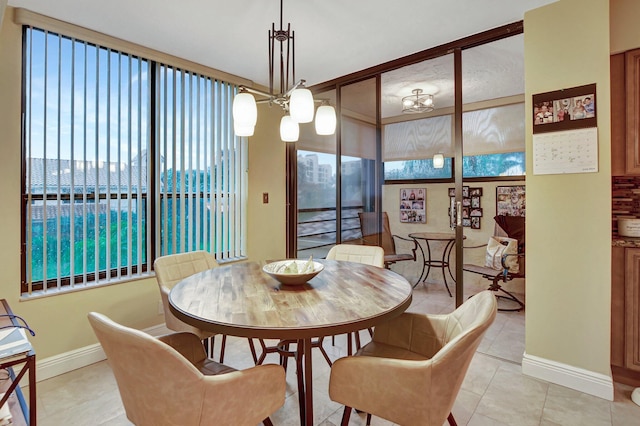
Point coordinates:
[(152, 242)]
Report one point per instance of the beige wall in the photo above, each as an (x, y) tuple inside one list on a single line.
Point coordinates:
[(60, 321), (569, 216), (266, 234)]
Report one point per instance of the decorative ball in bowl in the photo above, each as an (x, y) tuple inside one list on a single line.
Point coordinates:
[(293, 271)]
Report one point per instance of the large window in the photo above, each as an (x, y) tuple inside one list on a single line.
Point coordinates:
[(125, 159)]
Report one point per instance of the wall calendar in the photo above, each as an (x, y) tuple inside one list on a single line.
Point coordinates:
[(570, 151), (565, 132)]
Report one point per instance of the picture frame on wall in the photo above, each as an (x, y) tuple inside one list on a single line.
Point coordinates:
[(475, 223), (413, 205), (511, 200), (471, 207)]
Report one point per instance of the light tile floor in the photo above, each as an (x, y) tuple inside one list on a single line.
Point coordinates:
[(494, 392)]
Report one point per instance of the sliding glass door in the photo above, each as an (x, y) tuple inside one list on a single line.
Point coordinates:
[(316, 190)]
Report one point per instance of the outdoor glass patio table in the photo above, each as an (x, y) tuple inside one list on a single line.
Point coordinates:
[(241, 300)]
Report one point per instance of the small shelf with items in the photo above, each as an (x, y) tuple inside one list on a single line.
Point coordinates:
[(625, 196), (17, 360)]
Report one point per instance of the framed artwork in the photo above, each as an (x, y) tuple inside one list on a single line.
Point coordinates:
[(471, 207), (413, 205), (510, 200)]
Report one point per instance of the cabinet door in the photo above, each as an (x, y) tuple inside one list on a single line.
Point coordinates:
[(618, 116), (632, 65), (632, 309)]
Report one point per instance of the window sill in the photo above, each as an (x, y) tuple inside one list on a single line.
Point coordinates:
[(82, 287)]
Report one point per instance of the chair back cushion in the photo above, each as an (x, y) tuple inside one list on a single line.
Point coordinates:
[(171, 269), (157, 385), (411, 373), (369, 255), (160, 385), (464, 330)]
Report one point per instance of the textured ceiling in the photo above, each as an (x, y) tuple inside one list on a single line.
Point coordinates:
[(333, 37)]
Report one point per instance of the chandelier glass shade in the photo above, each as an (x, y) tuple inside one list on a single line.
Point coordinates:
[(301, 105), (245, 113), (418, 102), (289, 129), (296, 101)]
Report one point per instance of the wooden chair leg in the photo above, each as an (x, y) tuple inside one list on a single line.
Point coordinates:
[(267, 422), (368, 419), (208, 346), (318, 344), (452, 421), (253, 351), (223, 345), (345, 416)]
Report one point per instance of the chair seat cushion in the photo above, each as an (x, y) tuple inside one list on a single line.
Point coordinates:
[(209, 367), (382, 350), (397, 257)]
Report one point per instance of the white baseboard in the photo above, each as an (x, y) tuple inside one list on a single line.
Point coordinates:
[(586, 381), (77, 358)]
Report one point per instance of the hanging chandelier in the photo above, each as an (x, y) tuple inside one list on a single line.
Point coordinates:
[(417, 102), (296, 101)]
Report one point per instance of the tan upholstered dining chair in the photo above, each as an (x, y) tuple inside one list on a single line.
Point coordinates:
[(412, 370), (369, 255), (170, 380), (171, 269)]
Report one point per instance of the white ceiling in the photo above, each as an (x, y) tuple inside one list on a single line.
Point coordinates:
[(333, 37)]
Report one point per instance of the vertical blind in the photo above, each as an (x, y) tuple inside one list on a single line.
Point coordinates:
[(90, 153), (200, 171), (85, 135)]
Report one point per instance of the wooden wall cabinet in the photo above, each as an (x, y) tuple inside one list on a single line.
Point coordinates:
[(625, 255), (618, 116), (625, 113), (632, 309), (632, 83), (625, 315)]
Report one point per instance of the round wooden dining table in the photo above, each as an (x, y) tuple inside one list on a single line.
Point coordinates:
[(242, 300)]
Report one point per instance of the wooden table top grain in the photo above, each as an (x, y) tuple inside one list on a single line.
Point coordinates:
[(242, 300)]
